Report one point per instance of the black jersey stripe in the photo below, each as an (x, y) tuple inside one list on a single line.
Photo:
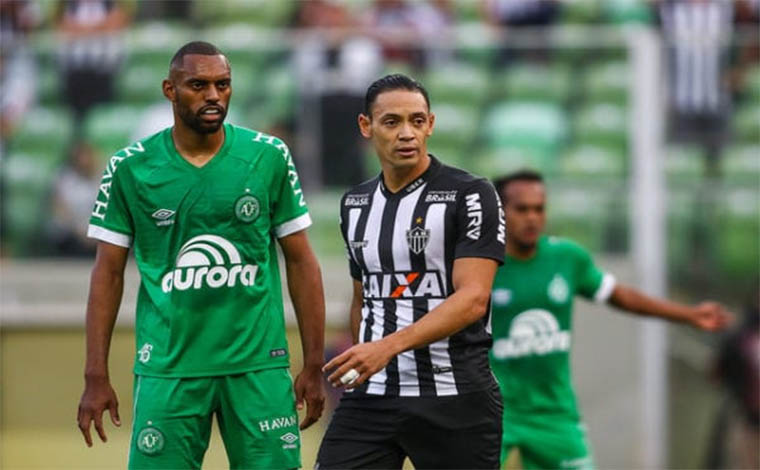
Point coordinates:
[(385, 251)]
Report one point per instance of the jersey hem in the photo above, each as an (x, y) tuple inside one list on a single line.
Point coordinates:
[(103, 234), (214, 373), (292, 226)]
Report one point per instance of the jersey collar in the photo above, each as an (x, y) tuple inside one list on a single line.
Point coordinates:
[(431, 170)]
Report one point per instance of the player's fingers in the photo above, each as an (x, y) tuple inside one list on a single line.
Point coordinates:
[(113, 410), (336, 361), (299, 389), (315, 406), (98, 418), (84, 427), (337, 375)]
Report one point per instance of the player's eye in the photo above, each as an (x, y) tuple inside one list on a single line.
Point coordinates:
[(223, 84), (196, 85), (389, 122)]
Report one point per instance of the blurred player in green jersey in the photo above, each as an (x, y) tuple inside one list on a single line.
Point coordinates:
[(202, 204), (533, 296)]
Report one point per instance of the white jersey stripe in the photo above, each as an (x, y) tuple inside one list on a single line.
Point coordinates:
[(372, 262), (435, 260), (409, 383)]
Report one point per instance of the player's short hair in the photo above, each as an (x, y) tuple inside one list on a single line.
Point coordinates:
[(194, 47), (526, 175), (396, 81)]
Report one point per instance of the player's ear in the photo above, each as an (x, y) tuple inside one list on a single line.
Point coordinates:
[(365, 125), (431, 122), (168, 88)]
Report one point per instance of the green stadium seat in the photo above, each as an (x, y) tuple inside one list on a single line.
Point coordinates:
[(28, 178), (741, 163), (455, 127), (684, 163), (681, 216), (458, 82), (738, 232), (324, 208), (581, 11), (43, 131), (588, 161), (607, 82), (496, 162), (254, 12), (111, 127), (752, 83), (140, 84), (626, 12), (746, 123), (577, 211), (474, 45), (602, 124), (536, 82), (156, 42), (538, 128)]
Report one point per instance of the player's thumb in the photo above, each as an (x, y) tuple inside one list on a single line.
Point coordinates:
[(299, 389), (113, 410)]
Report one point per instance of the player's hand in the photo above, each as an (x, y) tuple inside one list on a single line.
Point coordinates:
[(711, 316), (98, 396), (308, 387), (365, 358)]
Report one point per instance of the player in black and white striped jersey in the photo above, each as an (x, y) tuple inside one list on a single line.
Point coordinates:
[(424, 240)]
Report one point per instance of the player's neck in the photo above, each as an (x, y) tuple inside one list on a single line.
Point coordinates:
[(520, 251), (397, 178), (198, 149)]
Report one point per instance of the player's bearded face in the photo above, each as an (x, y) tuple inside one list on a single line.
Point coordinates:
[(398, 128), (203, 92), (525, 212)]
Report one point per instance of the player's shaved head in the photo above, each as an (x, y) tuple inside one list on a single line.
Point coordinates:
[(526, 176), (192, 48)]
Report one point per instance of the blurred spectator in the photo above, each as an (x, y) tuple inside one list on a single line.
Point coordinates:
[(508, 14), (17, 66), (72, 202), (91, 51), (334, 64), (164, 10), (736, 433), (697, 35), (406, 29)]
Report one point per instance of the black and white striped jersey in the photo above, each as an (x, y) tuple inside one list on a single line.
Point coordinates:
[(402, 247)]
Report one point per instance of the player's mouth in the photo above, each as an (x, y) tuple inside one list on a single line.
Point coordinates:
[(406, 152), (211, 113)]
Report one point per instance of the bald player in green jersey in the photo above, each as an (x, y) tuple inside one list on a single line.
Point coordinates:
[(204, 204), (532, 298)]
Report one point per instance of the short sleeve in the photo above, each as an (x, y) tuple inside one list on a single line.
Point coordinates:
[(290, 214), (346, 216), (111, 220), (481, 232), (593, 283)]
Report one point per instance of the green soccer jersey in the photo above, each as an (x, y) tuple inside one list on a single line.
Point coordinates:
[(210, 301), (532, 325)]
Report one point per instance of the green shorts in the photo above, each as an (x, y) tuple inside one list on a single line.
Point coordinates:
[(546, 441), (255, 411)]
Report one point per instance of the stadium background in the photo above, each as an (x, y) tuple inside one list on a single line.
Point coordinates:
[(558, 92)]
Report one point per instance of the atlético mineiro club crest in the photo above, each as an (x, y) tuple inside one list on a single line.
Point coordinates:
[(417, 238)]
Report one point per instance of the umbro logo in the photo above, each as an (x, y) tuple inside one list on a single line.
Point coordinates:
[(162, 216)]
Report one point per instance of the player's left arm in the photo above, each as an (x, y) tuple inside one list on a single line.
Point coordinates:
[(307, 294), (472, 279), (710, 316)]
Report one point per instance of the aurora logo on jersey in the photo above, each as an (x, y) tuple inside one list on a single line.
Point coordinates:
[(208, 261), (533, 332), (403, 285)]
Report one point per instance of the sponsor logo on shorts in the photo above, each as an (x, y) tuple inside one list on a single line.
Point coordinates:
[(289, 440), (270, 424), (533, 332), (144, 353), (208, 261), (150, 441), (278, 352)]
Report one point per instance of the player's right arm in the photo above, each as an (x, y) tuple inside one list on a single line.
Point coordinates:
[(106, 288), (356, 310)]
